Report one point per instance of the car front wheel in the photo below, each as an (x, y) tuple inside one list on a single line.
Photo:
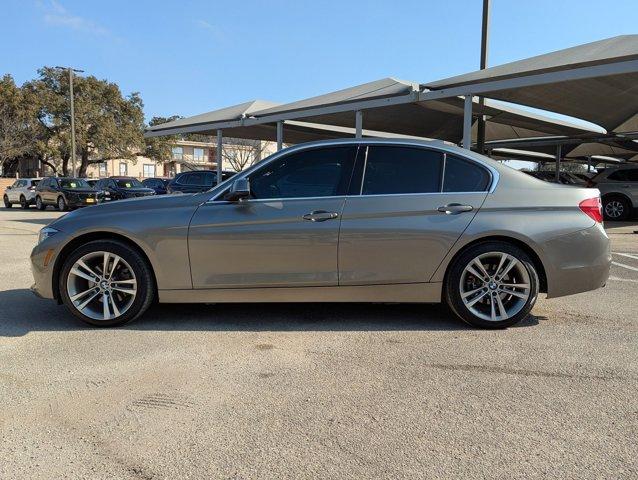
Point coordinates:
[(492, 285), (106, 283), (7, 203), (38, 203), (62, 204), (23, 202)]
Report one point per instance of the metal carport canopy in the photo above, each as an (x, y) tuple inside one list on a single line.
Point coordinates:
[(391, 105), (597, 82)]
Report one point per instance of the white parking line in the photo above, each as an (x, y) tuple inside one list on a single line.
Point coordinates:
[(628, 255), (618, 279), (629, 267)]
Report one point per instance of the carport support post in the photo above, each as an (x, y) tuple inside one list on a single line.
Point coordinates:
[(218, 156), (358, 123), (558, 155), (280, 134), (467, 122), (588, 164)]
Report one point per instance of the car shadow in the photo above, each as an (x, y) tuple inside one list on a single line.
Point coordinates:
[(37, 221), (22, 313)]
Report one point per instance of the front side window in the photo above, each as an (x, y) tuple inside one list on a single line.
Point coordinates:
[(320, 172), (464, 176), (198, 154), (178, 153), (628, 175), (401, 170)]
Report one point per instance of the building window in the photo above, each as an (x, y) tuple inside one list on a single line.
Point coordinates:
[(198, 154), (178, 153), (123, 169), (149, 170), (103, 172)]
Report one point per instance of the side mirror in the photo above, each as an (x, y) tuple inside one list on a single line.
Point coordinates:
[(239, 190)]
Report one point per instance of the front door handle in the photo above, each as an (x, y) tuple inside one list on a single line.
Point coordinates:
[(455, 208), (320, 216)]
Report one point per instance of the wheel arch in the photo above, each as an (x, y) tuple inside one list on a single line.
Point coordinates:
[(622, 195), (89, 237), (536, 260)]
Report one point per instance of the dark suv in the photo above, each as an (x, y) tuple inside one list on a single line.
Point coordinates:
[(64, 193), (157, 184), (119, 188), (195, 181)]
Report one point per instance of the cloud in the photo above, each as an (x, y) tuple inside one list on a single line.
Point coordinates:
[(56, 14), (213, 29)]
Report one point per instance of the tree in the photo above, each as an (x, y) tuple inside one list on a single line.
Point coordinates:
[(242, 153)]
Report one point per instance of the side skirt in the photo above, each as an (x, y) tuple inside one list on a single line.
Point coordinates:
[(403, 293)]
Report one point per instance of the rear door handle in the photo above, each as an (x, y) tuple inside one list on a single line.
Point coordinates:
[(320, 216), (455, 208)]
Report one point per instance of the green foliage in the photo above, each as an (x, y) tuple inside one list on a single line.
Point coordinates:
[(35, 122)]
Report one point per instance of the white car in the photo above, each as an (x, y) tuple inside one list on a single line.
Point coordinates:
[(21, 192)]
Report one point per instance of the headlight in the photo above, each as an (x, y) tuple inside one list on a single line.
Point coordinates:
[(45, 233)]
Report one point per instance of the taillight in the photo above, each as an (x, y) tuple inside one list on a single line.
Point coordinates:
[(592, 207), (32, 189)]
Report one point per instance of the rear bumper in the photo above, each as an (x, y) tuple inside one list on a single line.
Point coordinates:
[(577, 262)]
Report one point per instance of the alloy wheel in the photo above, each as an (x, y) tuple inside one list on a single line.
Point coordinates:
[(495, 286), (101, 285), (614, 209)]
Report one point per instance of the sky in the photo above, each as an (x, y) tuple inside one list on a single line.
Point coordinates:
[(188, 57)]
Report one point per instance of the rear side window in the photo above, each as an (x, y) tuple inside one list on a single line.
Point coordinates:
[(396, 170), (464, 176), (629, 175)]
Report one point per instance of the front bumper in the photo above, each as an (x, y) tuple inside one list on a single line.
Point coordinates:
[(43, 259), (577, 262)]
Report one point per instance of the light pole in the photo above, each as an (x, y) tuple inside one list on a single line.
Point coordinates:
[(485, 37), (71, 71)]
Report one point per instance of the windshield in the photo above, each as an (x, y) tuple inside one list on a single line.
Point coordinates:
[(128, 183), (73, 183)]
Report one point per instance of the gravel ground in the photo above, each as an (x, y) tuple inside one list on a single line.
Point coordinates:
[(317, 391)]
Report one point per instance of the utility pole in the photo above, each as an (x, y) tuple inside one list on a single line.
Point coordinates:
[(71, 71), (485, 37)]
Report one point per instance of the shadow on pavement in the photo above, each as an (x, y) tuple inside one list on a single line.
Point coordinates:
[(37, 221), (22, 313)]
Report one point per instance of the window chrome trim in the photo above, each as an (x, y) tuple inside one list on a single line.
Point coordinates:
[(440, 147), (363, 174)]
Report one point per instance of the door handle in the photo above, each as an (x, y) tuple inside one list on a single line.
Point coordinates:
[(455, 208), (320, 216)]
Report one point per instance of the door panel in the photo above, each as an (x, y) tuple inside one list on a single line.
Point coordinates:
[(259, 243), (400, 238)]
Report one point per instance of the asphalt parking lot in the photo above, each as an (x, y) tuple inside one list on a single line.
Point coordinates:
[(317, 391)]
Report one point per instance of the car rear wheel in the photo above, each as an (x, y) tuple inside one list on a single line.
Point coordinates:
[(106, 283), (492, 285), (61, 204), (7, 203), (616, 208), (38, 203), (23, 202)]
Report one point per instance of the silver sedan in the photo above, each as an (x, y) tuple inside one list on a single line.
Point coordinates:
[(336, 221)]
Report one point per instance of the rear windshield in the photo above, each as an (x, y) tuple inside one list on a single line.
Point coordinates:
[(128, 183), (73, 183)]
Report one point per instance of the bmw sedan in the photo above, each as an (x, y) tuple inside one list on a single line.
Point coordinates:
[(337, 221)]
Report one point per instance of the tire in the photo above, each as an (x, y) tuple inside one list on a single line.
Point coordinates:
[(616, 208), (38, 203), (23, 203), (129, 258), (61, 204), (492, 304), (7, 203)]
